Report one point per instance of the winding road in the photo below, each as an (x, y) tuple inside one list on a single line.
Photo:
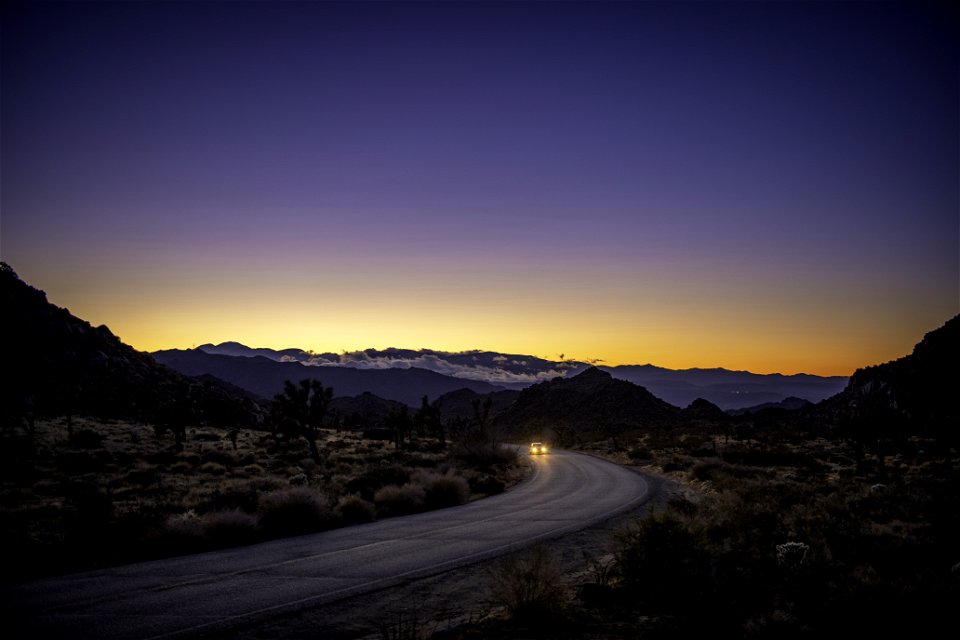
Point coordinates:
[(193, 595)]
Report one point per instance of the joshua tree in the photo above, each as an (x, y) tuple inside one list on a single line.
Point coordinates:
[(300, 411), (401, 424)]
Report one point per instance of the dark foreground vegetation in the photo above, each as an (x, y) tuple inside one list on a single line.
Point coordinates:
[(114, 492)]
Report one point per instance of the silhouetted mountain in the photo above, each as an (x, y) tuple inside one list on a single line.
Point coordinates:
[(917, 392), (265, 377), (55, 363), (727, 389), (591, 401), (364, 410), (787, 404), (701, 409), (459, 404), (504, 370), (237, 349)]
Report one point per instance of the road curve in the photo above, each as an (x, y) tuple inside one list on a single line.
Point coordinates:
[(193, 595)]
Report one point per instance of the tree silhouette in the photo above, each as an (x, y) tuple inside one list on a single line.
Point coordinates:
[(429, 422), (300, 411), (400, 422)]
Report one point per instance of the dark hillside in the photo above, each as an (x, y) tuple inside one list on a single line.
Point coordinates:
[(57, 364), (917, 392), (590, 402)]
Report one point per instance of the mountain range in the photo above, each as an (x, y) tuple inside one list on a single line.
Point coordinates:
[(722, 387), (265, 377), (57, 364)]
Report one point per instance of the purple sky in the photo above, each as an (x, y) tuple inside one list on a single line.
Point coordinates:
[(771, 186)]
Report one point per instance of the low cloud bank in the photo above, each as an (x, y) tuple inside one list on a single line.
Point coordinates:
[(492, 368)]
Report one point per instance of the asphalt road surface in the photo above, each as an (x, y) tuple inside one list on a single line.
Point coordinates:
[(193, 595)]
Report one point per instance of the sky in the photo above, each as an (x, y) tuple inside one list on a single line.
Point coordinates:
[(761, 186)]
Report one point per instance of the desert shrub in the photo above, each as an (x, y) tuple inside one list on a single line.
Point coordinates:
[(442, 490), (73, 463), (181, 468), (213, 468), (661, 558), (86, 439), (253, 469), (233, 494), (354, 510), (294, 511), (486, 484), (707, 469), (143, 477), (376, 477), (485, 456), (394, 500), (639, 453), (224, 458), (192, 459), (677, 464), (529, 585), (180, 533), (228, 528), (162, 457)]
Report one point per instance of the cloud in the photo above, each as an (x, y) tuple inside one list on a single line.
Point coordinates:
[(438, 363)]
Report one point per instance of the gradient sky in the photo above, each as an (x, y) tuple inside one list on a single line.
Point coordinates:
[(762, 186)]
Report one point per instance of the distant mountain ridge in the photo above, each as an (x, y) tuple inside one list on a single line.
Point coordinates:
[(722, 387), (265, 377)]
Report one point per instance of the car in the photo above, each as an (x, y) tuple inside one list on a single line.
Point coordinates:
[(537, 448)]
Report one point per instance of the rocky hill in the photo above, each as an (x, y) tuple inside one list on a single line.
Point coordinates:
[(592, 402), (919, 390), (57, 364)]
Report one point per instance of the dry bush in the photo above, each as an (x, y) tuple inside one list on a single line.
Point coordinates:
[(213, 468), (228, 528), (181, 468), (224, 458), (394, 500), (295, 511), (529, 584), (181, 533), (707, 469), (142, 476), (442, 490), (355, 510)]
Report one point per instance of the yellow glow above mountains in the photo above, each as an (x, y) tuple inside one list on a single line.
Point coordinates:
[(625, 321)]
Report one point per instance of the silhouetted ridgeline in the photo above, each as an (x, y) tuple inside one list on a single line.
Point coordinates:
[(724, 388), (589, 405), (57, 364), (919, 391), (265, 377)]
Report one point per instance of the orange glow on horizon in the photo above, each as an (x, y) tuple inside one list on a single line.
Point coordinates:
[(628, 321)]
